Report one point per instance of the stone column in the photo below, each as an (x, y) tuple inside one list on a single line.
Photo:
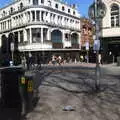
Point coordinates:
[(30, 36), (25, 35), (63, 38), (35, 16), (40, 16), (49, 34), (18, 36), (30, 16), (42, 35)]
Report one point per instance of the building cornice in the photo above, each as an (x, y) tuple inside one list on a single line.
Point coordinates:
[(40, 23), (41, 6)]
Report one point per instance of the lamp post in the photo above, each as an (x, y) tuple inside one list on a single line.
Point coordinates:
[(87, 50), (96, 12), (12, 51)]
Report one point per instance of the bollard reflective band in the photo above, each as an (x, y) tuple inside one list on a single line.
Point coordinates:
[(30, 86), (22, 80)]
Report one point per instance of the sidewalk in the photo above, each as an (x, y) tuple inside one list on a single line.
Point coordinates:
[(59, 90)]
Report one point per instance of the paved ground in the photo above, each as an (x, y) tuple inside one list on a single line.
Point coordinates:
[(73, 85)]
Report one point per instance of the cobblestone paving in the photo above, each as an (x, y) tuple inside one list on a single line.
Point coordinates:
[(76, 88)]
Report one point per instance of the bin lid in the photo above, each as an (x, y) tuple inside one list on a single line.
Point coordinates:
[(11, 68)]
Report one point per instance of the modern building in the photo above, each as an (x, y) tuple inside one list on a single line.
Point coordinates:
[(110, 31), (40, 27)]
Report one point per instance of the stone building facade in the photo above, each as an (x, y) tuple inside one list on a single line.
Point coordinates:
[(40, 27), (110, 32)]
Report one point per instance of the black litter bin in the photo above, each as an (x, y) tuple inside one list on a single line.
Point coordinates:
[(26, 90), (10, 93), (30, 91)]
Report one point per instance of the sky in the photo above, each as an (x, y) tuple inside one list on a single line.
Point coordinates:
[(82, 5)]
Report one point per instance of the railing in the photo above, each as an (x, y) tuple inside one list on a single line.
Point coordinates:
[(75, 45), (57, 45)]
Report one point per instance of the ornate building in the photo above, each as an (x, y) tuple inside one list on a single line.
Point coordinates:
[(40, 27), (110, 31)]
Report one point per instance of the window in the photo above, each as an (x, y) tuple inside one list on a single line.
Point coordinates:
[(56, 5), (73, 12), (42, 16), (21, 6), (35, 2), (11, 10), (66, 36), (38, 15), (68, 10), (33, 15), (63, 8), (49, 2), (115, 16), (42, 1), (45, 30), (36, 35), (21, 37), (4, 13)]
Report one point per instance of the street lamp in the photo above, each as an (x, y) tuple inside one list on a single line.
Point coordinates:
[(96, 12), (87, 49)]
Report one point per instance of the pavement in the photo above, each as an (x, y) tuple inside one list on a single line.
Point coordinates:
[(68, 92), (74, 88)]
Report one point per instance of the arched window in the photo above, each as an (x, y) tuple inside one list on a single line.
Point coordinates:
[(21, 6), (11, 10), (115, 15)]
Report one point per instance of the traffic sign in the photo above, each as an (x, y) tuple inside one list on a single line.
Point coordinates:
[(96, 46)]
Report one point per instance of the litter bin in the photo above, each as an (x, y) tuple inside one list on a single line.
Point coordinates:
[(26, 90), (118, 61), (10, 93)]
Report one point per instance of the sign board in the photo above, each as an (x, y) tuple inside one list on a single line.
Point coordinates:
[(96, 46), (12, 46), (87, 45)]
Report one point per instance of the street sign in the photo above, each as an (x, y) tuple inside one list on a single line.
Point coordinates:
[(97, 10), (96, 46), (87, 45)]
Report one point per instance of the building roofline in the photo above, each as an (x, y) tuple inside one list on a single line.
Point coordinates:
[(9, 4), (46, 7)]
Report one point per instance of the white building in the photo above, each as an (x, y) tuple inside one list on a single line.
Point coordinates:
[(111, 30), (40, 25)]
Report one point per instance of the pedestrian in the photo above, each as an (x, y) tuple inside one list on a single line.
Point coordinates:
[(99, 58), (59, 60), (53, 60)]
